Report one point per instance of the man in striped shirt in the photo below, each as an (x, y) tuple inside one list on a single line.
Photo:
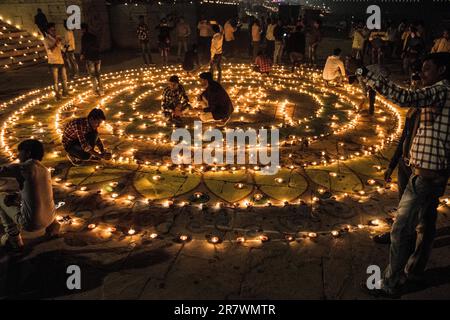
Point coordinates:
[(80, 138), (429, 159)]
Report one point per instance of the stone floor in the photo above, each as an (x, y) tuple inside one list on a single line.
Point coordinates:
[(140, 267)]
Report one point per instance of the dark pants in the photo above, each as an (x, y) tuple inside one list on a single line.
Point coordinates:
[(75, 149), (145, 49), (228, 48), (414, 229), (270, 47), (216, 64), (204, 44)]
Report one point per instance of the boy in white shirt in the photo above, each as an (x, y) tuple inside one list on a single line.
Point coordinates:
[(334, 69), (53, 47)]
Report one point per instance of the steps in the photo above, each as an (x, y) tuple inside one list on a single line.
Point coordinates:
[(19, 48)]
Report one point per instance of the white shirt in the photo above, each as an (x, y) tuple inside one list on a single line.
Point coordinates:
[(54, 56), (334, 67), (256, 33), (204, 28), (36, 193), (269, 33), (229, 31), (216, 44)]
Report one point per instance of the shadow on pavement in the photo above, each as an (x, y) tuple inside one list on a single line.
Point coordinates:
[(44, 276)]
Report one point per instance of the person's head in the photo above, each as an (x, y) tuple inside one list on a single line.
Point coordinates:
[(96, 117), (337, 52), (84, 28), (39, 10), (163, 21), (30, 149), (435, 68), (141, 19), (445, 34), (174, 81), (205, 79), (51, 29), (216, 28)]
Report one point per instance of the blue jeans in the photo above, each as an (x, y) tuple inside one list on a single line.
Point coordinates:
[(93, 68), (414, 229), (75, 149)]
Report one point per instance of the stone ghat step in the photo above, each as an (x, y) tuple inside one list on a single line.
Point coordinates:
[(23, 59), (5, 34), (21, 51), (24, 64), (29, 42)]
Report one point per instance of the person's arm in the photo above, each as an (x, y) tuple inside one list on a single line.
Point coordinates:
[(426, 97), (435, 46), (165, 99), (398, 151), (10, 171), (184, 98), (341, 67), (100, 145), (213, 47), (51, 44)]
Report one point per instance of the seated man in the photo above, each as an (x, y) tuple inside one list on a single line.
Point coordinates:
[(334, 69), (263, 63), (218, 104), (80, 137), (175, 99), (34, 208)]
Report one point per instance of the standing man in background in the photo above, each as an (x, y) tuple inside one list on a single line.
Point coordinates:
[(90, 52), (270, 38), (69, 52), (53, 47), (183, 33), (40, 20), (143, 35), (314, 40), (205, 37), (228, 45), (216, 52)]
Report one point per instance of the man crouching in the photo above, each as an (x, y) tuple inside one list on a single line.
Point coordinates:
[(80, 138)]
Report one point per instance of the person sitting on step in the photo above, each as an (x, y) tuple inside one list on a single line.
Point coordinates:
[(33, 209)]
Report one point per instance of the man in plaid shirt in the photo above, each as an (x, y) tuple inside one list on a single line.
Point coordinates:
[(414, 229), (175, 99), (80, 137)]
